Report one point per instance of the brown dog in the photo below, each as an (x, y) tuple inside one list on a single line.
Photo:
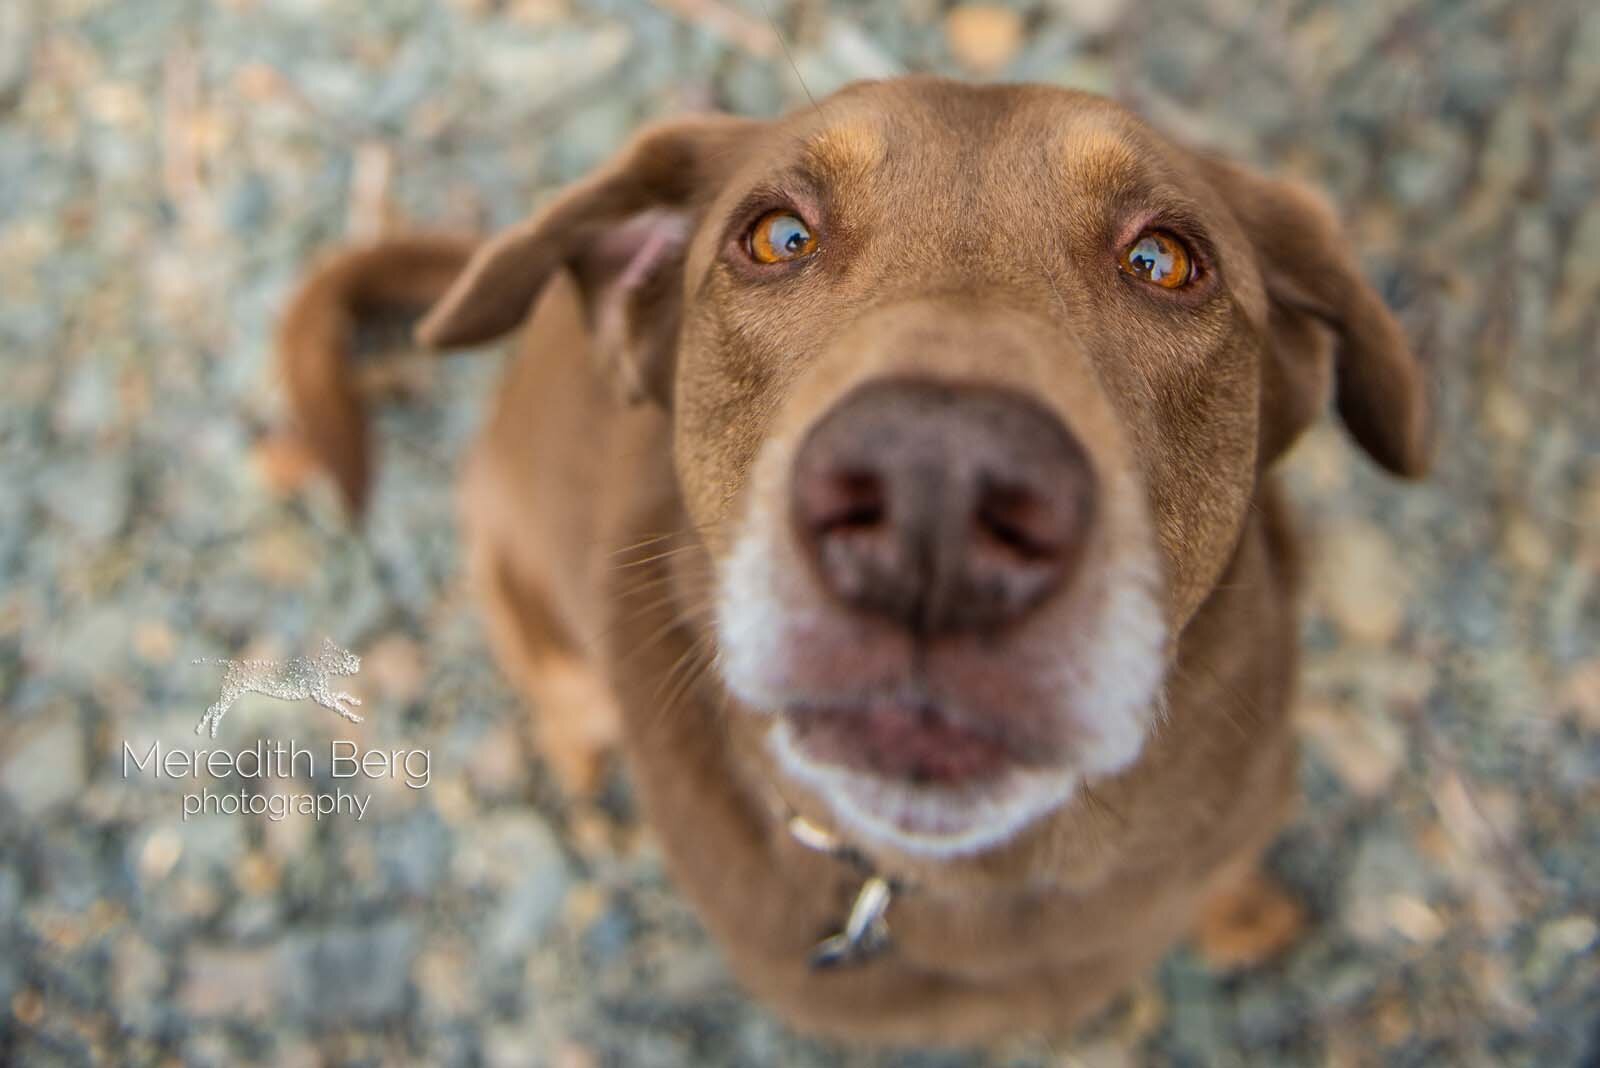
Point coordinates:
[(903, 465)]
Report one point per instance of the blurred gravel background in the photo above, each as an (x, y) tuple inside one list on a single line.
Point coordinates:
[(167, 167)]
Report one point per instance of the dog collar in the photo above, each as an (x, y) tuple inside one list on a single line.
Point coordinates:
[(865, 934)]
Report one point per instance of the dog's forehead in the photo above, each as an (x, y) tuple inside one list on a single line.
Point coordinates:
[(952, 134)]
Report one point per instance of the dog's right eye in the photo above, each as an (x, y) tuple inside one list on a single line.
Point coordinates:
[(1159, 258), (780, 237)]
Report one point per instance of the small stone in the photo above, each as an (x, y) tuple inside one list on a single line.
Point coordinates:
[(568, 58), (16, 51), (498, 766), (855, 54), (91, 499), (11, 892), (1510, 146), (1364, 751), (207, 1047), (154, 641), (395, 665), (65, 931), (1385, 870), (533, 878), (284, 556), (1527, 545), (584, 905), (89, 401), (592, 834), (46, 768), (1558, 942), (1505, 414), (573, 1055), (350, 974), (444, 979), (193, 900), (212, 843), (509, 1047), (297, 1053), (1427, 165), (1091, 16), (138, 973), (27, 1005), (1414, 919), (610, 935), (1477, 819), (159, 856), (983, 38), (90, 644), (1492, 979), (1392, 1019), (1360, 583), (1344, 984), (257, 874), (1103, 1053), (1580, 695), (231, 982), (1320, 461), (413, 852)]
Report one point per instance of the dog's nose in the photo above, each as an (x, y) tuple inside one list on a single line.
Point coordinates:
[(942, 507)]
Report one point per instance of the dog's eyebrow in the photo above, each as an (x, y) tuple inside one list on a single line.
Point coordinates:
[(844, 151), (1127, 173), (1094, 156)]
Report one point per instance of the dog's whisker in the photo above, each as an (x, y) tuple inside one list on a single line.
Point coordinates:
[(1099, 804), (697, 615), (664, 595), (690, 657), (1187, 675), (655, 537), (675, 622), (666, 554), (701, 666), (636, 590), (644, 543), (643, 611), (693, 653)]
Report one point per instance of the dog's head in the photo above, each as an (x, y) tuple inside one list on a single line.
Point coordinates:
[(971, 389)]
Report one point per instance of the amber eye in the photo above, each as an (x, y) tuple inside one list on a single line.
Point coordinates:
[(1159, 258), (781, 236)]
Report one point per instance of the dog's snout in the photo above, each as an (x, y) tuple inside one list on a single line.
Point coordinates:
[(942, 507)]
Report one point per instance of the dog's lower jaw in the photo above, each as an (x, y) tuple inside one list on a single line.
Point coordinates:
[(931, 821)]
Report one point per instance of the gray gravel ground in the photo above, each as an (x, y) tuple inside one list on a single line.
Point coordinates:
[(167, 166)]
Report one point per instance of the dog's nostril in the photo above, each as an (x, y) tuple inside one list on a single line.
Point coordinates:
[(1016, 520), (846, 501)]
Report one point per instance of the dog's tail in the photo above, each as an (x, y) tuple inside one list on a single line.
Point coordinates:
[(392, 279)]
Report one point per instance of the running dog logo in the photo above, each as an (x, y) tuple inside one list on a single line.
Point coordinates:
[(295, 679)]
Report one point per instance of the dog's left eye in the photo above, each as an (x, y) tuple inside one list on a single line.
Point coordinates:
[(780, 236), (1159, 258)]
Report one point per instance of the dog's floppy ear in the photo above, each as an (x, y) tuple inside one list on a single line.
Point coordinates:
[(622, 233), (1313, 282)]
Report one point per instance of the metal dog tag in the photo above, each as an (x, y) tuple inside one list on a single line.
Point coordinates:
[(866, 932)]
